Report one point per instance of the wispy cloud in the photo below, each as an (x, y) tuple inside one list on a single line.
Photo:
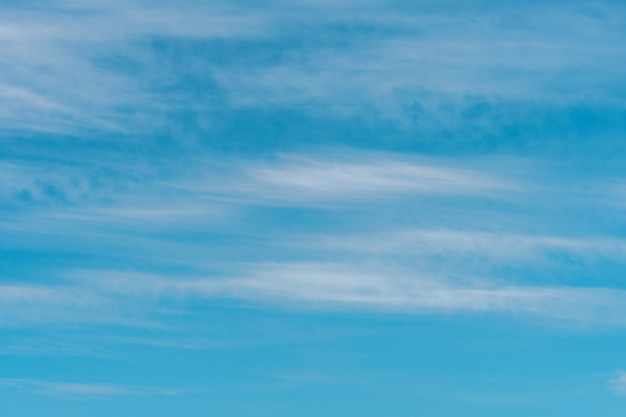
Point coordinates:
[(306, 180), (340, 286), (364, 178), (427, 60), (38, 303), (55, 76), (452, 243), (329, 286), (125, 213), (74, 66), (618, 382), (78, 389), (78, 198)]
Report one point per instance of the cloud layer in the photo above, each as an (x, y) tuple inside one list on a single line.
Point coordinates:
[(125, 67), (450, 261), (250, 153)]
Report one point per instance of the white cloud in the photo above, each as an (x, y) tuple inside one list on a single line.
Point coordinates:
[(347, 287), (618, 382), (55, 302), (371, 177), (78, 389), (454, 243), (359, 271), (53, 79), (120, 20), (340, 286), (436, 60), (316, 180), (101, 296)]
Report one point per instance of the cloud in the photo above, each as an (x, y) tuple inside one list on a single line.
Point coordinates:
[(74, 66), (501, 246), (78, 389), (65, 67), (108, 198), (618, 382), (141, 216), (87, 21), (39, 303), (371, 177), (366, 283), (393, 289), (432, 60), (309, 180), (337, 287), (60, 388)]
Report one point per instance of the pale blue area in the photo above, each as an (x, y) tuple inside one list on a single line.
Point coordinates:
[(312, 208)]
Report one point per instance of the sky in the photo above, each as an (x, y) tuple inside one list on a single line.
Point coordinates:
[(312, 208)]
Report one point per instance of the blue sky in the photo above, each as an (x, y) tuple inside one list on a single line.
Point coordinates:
[(312, 208)]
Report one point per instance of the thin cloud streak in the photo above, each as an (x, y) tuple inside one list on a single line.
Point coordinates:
[(345, 179), (26, 304), (307, 181), (452, 243), (54, 388), (618, 382), (337, 287)]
